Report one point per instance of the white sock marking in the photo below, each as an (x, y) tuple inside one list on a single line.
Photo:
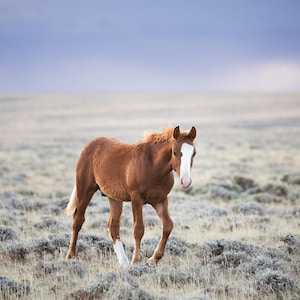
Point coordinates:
[(119, 250)]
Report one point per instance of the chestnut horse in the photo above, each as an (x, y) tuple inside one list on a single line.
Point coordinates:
[(140, 173)]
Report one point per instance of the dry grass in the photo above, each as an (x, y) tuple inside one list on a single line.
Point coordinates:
[(236, 233)]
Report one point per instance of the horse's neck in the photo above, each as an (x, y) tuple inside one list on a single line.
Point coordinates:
[(162, 157)]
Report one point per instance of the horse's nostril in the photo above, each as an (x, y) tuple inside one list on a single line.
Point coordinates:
[(186, 184)]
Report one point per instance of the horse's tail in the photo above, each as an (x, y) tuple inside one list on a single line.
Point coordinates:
[(70, 209)]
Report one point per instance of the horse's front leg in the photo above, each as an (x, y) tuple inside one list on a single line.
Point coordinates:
[(113, 225), (138, 227), (167, 226)]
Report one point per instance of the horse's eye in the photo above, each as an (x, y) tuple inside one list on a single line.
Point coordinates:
[(174, 153), (194, 154)]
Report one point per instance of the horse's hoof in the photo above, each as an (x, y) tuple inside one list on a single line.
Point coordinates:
[(151, 261), (70, 255), (124, 263)]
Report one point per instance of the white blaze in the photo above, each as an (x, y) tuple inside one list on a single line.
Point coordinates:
[(187, 151)]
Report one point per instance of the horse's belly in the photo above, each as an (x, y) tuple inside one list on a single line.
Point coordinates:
[(115, 191), (111, 181)]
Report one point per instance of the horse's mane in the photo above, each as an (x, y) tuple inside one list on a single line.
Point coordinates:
[(166, 135)]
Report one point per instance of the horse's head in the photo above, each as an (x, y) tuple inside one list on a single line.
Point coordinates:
[(183, 155)]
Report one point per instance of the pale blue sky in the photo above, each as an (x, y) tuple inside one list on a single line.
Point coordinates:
[(94, 46)]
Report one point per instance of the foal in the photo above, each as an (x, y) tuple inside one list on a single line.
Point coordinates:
[(140, 173)]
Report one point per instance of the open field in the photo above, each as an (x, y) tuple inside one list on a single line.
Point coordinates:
[(236, 233)]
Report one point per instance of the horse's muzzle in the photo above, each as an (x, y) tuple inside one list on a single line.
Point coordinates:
[(186, 183)]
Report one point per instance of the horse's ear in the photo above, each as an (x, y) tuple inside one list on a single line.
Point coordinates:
[(192, 133), (176, 132)]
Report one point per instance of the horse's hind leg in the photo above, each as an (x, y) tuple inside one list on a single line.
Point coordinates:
[(83, 197), (167, 226), (113, 225)]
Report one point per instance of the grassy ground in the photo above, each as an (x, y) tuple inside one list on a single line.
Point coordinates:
[(236, 233)]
